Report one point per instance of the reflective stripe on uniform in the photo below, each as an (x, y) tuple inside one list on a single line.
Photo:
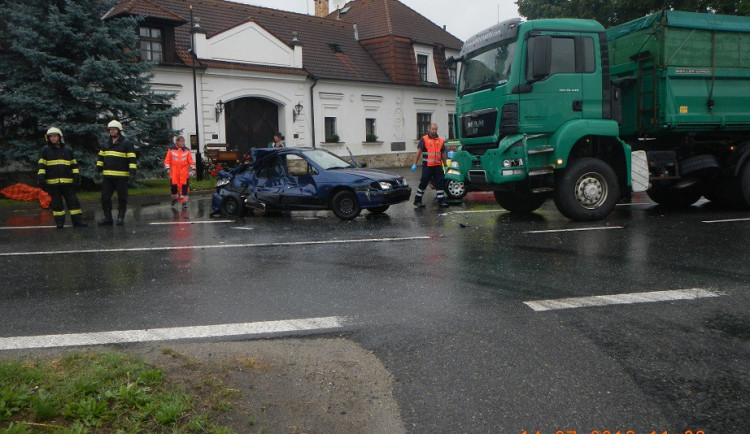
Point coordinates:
[(116, 154), (42, 161), (58, 213), (76, 171), (41, 172), (100, 163), (131, 154), (115, 173), (58, 162), (132, 166), (60, 181), (75, 211)]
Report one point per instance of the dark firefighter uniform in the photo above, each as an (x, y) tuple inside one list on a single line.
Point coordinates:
[(116, 162), (432, 169), (58, 174)]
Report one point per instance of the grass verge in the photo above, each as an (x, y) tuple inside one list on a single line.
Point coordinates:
[(102, 392)]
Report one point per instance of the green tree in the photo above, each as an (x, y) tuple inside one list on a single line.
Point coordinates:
[(62, 65), (614, 12)]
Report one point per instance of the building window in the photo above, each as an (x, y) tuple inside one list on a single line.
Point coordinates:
[(151, 46), (452, 74), (424, 120), (451, 126), (371, 134), (422, 67), (331, 136)]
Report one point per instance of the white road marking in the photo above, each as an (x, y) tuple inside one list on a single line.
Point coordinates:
[(194, 222), (635, 203), (27, 227), (215, 246), (241, 228), (471, 212), (606, 300), (168, 334), (727, 220), (598, 228)]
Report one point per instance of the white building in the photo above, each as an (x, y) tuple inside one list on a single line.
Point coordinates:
[(369, 77)]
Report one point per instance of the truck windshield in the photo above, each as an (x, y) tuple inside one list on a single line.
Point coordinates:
[(487, 68)]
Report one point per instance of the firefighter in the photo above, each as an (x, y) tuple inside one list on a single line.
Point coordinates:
[(59, 175), (180, 167), (116, 163), (432, 145)]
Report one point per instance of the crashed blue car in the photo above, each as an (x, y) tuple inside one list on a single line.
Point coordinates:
[(287, 179)]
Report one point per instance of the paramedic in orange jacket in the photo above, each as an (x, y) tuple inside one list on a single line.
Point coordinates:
[(180, 166)]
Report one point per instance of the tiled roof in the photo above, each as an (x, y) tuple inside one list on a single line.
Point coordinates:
[(377, 18), (144, 8), (316, 35), (396, 56)]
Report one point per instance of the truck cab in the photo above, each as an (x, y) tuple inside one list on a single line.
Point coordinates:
[(535, 118)]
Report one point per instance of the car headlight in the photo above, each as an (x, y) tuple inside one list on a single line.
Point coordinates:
[(385, 185), (222, 182)]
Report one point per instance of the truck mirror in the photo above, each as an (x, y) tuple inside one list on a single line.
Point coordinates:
[(449, 62), (542, 60)]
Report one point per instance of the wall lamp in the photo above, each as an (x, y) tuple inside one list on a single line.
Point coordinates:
[(297, 110), (219, 109)]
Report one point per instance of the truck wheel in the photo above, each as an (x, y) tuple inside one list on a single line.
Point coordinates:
[(700, 165), (674, 197), (345, 205), (519, 203), (586, 190), (455, 190), (738, 190)]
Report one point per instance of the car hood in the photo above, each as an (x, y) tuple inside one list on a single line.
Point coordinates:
[(375, 175)]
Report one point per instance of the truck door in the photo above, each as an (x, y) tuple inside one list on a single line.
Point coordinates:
[(557, 98)]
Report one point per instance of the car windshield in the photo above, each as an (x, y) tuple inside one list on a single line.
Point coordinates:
[(326, 160), (487, 68)]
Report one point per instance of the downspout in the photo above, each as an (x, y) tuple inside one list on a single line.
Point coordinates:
[(312, 108)]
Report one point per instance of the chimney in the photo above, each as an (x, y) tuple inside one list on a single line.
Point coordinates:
[(200, 44), (321, 8), (297, 45)]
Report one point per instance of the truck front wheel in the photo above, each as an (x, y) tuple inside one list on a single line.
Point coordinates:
[(739, 189), (586, 190), (519, 202)]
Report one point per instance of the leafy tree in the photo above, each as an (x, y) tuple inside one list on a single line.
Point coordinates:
[(62, 65), (614, 12)]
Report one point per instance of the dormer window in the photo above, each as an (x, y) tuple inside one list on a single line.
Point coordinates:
[(422, 67), (453, 75), (151, 44)]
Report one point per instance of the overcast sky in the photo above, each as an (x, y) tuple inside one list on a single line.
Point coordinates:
[(463, 18)]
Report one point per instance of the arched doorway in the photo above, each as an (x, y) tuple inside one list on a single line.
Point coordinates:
[(250, 122)]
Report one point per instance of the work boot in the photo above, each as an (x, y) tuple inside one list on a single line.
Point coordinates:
[(443, 204), (174, 202), (184, 205), (107, 221), (78, 221), (418, 203), (120, 217), (60, 222)]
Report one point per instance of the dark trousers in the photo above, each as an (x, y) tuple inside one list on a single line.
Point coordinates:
[(62, 195), (435, 174), (109, 186)]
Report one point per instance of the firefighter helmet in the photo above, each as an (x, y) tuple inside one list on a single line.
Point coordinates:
[(114, 124), (54, 130)]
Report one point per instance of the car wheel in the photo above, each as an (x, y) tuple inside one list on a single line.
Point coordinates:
[(379, 210), (455, 190), (231, 206), (739, 189), (519, 202), (586, 190), (345, 205)]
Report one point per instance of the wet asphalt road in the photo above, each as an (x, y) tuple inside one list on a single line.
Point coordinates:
[(445, 314)]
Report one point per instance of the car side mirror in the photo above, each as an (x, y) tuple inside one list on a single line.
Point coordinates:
[(542, 57)]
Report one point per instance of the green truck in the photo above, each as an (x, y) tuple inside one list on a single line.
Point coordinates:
[(563, 108)]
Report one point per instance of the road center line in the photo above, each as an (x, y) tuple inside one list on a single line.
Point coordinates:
[(599, 228), (168, 334), (216, 246), (727, 220), (196, 222), (27, 227), (632, 298)]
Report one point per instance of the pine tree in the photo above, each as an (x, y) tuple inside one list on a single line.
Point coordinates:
[(62, 65)]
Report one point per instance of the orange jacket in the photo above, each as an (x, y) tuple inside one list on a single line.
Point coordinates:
[(434, 150), (179, 162)]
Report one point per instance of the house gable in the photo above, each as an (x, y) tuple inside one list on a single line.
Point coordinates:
[(249, 43)]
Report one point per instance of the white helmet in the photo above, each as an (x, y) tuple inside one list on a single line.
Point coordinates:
[(54, 130), (114, 124)]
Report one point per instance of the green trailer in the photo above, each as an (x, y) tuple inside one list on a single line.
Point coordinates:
[(565, 109)]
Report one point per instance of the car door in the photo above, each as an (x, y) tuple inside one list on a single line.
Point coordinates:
[(270, 182), (300, 190)]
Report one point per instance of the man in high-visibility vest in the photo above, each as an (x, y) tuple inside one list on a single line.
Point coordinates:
[(431, 145), (116, 162), (59, 175), (180, 166)]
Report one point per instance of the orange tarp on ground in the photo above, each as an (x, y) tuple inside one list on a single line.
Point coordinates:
[(27, 193)]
